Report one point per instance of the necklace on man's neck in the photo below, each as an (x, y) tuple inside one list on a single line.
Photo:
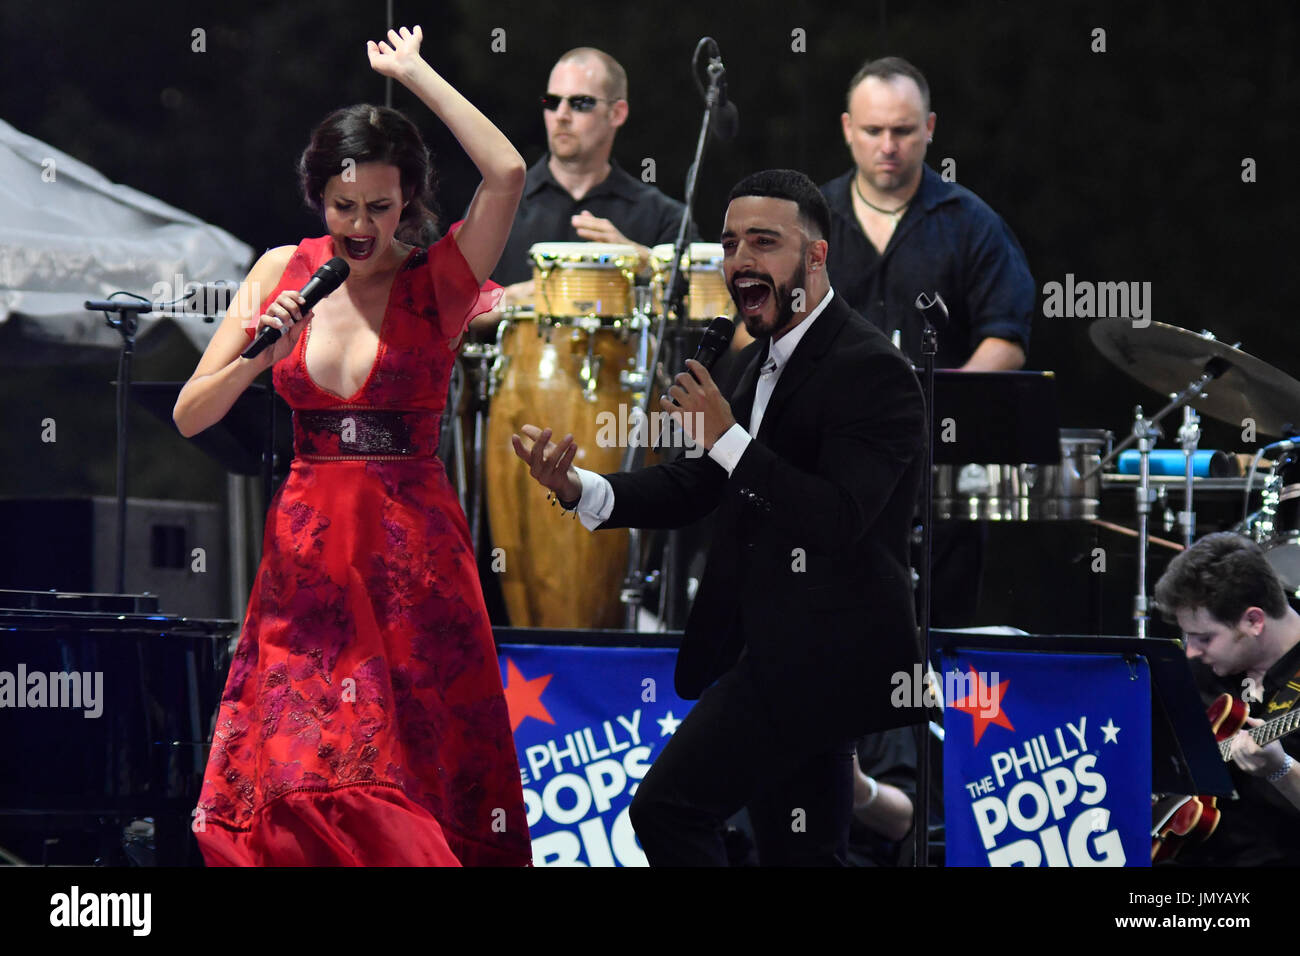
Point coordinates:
[(895, 214)]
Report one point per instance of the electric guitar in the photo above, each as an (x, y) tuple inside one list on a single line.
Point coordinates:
[(1179, 819)]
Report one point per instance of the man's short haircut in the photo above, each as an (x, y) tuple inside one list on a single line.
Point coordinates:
[(791, 184), (885, 68), (1224, 573), (615, 75)]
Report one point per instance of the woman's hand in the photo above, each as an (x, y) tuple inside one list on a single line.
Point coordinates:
[(285, 314), (398, 55)]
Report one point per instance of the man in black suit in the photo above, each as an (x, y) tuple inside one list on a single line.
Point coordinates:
[(805, 610)]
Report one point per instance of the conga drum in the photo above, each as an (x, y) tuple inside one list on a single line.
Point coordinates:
[(554, 572), (562, 371), (707, 295), (580, 279)]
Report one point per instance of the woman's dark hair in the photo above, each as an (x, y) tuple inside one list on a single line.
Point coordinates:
[(1224, 573), (373, 134)]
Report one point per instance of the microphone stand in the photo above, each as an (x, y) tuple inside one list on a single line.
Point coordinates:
[(929, 349), (642, 380), (127, 324)]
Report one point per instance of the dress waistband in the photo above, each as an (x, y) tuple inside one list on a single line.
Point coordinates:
[(365, 434)]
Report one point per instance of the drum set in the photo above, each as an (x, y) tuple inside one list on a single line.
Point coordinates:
[(1194, 372), (576, 358)]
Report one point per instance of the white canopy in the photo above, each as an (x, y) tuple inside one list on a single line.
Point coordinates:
[(67, 234)]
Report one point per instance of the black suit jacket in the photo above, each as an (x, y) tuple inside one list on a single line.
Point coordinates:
[(808, 568)]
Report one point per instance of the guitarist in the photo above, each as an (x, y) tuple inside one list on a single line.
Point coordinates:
[(1243, 638)]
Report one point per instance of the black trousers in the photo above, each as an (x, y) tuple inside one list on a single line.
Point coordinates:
[(727, 754)]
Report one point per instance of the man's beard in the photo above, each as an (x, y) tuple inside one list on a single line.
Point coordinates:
[(784, 294)]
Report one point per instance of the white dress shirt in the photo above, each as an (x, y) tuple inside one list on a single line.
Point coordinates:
[(597, 501)]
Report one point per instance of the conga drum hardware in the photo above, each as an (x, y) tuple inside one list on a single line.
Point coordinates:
[(589, 373)]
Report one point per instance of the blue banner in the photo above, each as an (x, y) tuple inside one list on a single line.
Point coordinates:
[(1047, 759), (588, 722)]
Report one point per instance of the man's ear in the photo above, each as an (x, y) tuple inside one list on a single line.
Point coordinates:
[(1253, 620), (817, 250), (618, 113)]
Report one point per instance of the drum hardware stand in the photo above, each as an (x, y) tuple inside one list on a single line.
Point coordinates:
[(1145, 432), (926, 306), (1190, 436), (638, 380), (490, 364), (451, 423)]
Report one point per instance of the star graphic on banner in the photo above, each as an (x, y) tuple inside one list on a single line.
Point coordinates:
[(667, 724), (972, 705), (524, 697), (1111, 732)]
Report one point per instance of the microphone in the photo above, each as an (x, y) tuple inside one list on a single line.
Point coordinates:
[(717, 337), (327, 278), (724, 122), (716, 340)]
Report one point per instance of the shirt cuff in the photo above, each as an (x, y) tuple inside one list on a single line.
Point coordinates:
[(726, 451), (597, 501)]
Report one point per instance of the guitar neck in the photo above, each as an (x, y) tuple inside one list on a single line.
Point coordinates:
[(1265, 734)]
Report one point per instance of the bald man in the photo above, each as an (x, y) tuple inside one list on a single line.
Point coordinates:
[(577, 191)]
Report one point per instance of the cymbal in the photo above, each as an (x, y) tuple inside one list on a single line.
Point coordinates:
[(1166, 358)]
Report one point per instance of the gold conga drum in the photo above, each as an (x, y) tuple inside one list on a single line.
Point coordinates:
[(579, 279), (563, 372), (706, 295)]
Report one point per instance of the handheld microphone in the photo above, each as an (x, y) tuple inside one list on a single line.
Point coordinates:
[(716, 340), (327, 278), (717, 337)]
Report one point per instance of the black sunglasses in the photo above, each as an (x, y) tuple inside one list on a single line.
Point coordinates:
[(579, 103)]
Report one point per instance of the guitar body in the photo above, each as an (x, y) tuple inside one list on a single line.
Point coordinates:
[(1181, 819), (1227, 716)]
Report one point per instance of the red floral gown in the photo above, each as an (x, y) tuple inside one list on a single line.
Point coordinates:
[(363, 720)]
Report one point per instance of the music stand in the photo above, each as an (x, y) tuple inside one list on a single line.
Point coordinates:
[(1184, 755)]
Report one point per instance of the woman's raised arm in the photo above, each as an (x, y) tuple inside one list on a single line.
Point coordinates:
[(487, 222)]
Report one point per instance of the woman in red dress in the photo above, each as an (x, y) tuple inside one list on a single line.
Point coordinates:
[(363, 720)]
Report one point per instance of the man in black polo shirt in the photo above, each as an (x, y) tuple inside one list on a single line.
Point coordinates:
[(1237, 624), (577, 192), (898, 229)]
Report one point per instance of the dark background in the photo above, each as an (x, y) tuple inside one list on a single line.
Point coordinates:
[(1116, 166)]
